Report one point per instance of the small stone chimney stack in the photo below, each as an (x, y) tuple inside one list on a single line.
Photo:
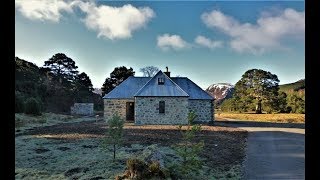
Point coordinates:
[(167, 72)]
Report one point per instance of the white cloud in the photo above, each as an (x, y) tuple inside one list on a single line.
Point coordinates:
[(109, 22), (206, 42), (115, 22), (175, 42), (49, 10), (257, 38)]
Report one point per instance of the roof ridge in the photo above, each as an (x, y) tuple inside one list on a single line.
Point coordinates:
[(179, 88), (175, 84), (146, 83)]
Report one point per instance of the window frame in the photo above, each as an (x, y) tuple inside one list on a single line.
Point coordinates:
[(160, 81)]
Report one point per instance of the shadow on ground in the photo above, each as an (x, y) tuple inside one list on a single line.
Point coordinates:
[(258, 124)]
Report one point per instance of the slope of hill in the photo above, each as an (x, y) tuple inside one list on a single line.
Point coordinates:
[(296, 86), (221, 91)]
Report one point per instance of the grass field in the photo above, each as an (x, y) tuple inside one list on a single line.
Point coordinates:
[(72, 148), (275, 118)]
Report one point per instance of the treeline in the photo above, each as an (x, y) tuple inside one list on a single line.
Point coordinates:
[(54, 87), (258, 91)]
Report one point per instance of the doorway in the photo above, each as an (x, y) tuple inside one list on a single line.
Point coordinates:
[(130, 111)]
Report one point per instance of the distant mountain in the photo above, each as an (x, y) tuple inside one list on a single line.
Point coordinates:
[(291, 87), (97, 91), (221, 91)]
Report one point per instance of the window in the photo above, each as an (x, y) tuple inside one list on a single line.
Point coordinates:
[(161, 106), (160, 81)]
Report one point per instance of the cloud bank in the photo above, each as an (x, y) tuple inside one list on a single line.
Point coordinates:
[(265, 35)]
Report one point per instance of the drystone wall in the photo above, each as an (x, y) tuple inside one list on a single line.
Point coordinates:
[(85, 109)]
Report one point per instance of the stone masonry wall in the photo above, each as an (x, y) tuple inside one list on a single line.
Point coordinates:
[(82, 109), (147, 110), (112, 106), (203, 109)]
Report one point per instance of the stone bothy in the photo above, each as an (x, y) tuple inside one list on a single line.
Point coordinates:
[(82, 109), (160, 99)]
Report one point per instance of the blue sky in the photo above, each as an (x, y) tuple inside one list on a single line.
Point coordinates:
[(207, 41)]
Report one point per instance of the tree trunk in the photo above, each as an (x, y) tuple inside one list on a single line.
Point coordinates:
[(258, 107), (114, 152)]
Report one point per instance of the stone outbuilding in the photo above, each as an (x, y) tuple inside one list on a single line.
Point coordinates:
[(160, 99)]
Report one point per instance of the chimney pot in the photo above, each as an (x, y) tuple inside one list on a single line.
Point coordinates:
[(167, 72)]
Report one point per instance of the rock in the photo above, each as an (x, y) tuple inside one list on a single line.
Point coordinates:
[(155, 156), (152, 154)]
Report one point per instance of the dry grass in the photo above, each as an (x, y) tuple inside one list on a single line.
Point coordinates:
[(22, 119), (275, 118), (24, 122)]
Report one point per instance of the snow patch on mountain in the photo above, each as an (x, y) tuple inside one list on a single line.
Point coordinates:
[(221, 91)]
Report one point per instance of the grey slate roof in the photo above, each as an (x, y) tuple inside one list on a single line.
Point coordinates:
[(127, 88), (147, 86), (194, 91), (169, 88)]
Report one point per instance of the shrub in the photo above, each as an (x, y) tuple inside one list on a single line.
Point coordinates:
[(189, 150), (32, 106), (139, 169), (19, 105), (300, 110), (114, 133)]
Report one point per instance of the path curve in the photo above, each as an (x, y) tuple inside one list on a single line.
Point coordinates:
[(274, 151)]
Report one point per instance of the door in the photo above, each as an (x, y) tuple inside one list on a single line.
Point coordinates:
[(130, 111)]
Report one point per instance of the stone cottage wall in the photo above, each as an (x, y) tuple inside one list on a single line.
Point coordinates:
[(82, 109), (112, 106), (147, 110), (203, 108)]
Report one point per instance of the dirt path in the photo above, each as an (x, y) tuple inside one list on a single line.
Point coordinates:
[(274, 151)]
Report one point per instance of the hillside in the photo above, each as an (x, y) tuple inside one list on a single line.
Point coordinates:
[(296, 86)]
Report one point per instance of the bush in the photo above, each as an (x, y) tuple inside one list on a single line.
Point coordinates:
[(300, 110), (139, 169), (19, 105), (189, 150), (32, 106), (114, 133)]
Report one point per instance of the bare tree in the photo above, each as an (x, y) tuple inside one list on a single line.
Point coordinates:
[(149, 71)]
